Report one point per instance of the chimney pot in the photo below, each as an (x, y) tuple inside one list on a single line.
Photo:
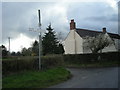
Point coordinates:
[(72, 25), (104, 30)]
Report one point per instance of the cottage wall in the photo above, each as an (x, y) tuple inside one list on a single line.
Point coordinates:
[(110, 48), (73, 43)]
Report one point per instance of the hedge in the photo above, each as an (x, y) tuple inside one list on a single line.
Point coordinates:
[(90, 58), (52, 61), (18, 64), (30, 63)]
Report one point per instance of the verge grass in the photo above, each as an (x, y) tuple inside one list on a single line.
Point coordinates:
[(36, 79)]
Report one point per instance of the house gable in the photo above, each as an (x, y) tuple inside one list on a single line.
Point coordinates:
[(73, 43)]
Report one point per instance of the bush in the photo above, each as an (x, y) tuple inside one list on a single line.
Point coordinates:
[(30, 63), (90, 58), (52, 61), (18, 64)]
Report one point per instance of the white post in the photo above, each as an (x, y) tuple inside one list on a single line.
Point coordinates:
[(39, 51), (9, 44), (40, 42)]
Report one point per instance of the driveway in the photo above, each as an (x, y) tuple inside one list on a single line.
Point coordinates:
[(91, 78)]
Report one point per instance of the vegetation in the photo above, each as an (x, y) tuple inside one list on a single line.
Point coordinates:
[(94, 64), (4, 51), (97, 43), (22, 72), (50, 43), (92, 60), (17, 64), (35, 48), (36, 79)]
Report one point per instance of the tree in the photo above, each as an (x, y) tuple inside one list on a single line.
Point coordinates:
[(97, 43), (18, 53), (4, 50), (60, 37), (13, 54), (50, 42), (60, 49), (26, 52), (35, 48)]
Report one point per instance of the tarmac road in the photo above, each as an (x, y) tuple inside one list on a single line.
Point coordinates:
[(91, 78)]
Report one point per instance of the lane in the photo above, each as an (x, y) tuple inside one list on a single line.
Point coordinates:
[(91, 78)]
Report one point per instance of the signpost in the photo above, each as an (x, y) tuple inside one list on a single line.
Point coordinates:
[(40, 40)]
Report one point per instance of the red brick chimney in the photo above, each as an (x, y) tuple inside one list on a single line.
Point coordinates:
[(104, 30), (72, 25)]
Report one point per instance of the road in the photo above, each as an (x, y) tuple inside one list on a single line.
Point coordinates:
[(91, 78)]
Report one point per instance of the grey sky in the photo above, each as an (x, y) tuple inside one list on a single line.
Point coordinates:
[(17, 17)]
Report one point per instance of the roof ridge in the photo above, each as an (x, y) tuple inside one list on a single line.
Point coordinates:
[(88, 30)]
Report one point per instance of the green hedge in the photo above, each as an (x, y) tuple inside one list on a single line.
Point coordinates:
[(30, 63), (18, 64), (90, 58), (52, 61)]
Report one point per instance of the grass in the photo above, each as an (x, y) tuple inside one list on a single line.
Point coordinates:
[(36, 79), (95, 64)]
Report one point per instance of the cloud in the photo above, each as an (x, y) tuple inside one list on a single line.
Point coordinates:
[(19, 17), (22, 41)]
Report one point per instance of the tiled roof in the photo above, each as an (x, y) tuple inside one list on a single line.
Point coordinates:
[(91, 33)]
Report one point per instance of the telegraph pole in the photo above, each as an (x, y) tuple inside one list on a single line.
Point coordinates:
[(9, 44), (40, 40)]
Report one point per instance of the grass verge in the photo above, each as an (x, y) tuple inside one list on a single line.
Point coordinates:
[(94, 65), (36, 79)]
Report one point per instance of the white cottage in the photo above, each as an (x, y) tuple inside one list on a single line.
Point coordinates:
[(73, 43)]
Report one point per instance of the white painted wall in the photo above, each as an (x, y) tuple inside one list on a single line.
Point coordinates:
[(117, 44), (110, 48), (79, 44), (73, 43)]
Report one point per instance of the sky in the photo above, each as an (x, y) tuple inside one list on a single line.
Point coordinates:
[(18, 17)]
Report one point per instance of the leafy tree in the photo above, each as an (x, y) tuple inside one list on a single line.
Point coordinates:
[(18, 54), (4, 50), (26, 52), (50, 42), (60, 49), (13, 54), (35, 48), (97, 43)]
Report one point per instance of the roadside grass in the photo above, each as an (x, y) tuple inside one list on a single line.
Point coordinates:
[(94, 65), (36, 79)]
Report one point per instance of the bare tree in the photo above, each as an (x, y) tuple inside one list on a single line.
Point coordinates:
[(60, 36), (97, 43)]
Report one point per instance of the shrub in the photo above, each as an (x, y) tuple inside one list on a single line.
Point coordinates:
[(90, 58), (19, 64), (52, 61), (30, 63)]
